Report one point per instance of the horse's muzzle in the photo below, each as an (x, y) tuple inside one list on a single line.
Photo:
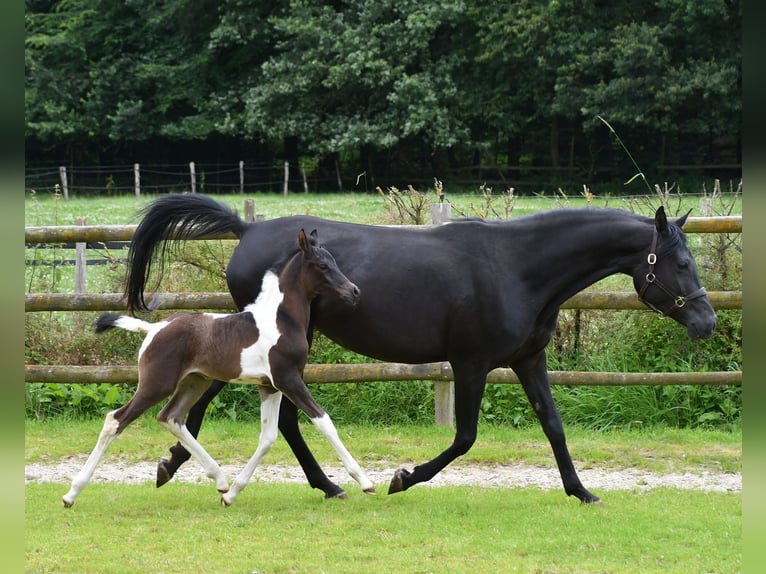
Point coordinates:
[(702, 327)]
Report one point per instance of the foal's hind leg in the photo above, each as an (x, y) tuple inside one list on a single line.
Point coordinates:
[(115, 422), (172, 417), (270, 400)]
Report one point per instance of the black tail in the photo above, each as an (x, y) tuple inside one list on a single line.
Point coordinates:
[(172, 218), (106, 321)]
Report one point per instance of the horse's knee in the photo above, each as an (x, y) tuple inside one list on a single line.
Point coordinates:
[(463, 442)]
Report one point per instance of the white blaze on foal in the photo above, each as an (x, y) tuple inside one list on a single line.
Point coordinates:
[(265, 345)]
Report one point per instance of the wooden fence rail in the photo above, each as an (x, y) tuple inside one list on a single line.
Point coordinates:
[(369, 372)]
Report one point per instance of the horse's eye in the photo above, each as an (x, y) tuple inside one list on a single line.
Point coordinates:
[(323, 266), (683, 265)]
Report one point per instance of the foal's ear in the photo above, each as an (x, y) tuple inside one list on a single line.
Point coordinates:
[(303, 242)]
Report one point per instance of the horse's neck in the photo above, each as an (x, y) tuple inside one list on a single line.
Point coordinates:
[(587, 251)]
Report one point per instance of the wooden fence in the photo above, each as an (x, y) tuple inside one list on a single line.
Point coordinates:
[(440, 373)]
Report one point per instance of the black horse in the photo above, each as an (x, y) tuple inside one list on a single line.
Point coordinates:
[(479, 294)]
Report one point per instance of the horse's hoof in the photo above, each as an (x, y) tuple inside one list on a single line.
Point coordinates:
[(397, 482), (370, 490), (163, 474), (225, 503), (66, 503), (339, 495)]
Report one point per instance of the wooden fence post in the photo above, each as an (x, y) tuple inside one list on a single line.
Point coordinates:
[(241, 177), (444, 391), (249, 210), (137, 179), (64, 184), (287, 177), (305, 181), (193, 175), (80, 266)]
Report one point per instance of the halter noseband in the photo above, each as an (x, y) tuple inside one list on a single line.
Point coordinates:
[(651, 279)]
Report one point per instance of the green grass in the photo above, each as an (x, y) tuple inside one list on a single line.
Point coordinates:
[(289, 528)]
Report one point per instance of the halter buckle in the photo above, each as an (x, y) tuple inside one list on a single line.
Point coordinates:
[(652, 258), (650, 277), (680, 301)]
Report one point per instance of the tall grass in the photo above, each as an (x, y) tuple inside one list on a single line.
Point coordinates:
[(584, 340)]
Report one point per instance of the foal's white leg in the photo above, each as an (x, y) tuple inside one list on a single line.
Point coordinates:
[(269, 423), (209, 465), (80, 481), (327, 428)]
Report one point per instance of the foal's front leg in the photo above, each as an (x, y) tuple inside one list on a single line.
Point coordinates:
[(270, 400), (296, 390)]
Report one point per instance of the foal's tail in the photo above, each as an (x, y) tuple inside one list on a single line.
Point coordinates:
[(110, 320), (172, 218)]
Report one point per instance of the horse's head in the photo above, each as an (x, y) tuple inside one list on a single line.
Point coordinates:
[(322, 271), (667, 280)]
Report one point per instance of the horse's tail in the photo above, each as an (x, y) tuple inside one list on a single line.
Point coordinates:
[(110, 320), (172, 218)]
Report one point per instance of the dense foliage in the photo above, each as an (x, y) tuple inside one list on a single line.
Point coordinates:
[(402, 87)]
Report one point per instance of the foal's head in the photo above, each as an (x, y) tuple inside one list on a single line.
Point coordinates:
[(320, 273)]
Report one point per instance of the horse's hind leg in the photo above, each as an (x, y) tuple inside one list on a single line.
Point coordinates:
[(533, 375), (295, 389), (166, 468), (270, 400), (288, 426), (470, 380)]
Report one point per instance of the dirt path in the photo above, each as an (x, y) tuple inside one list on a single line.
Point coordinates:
[(490, 475)]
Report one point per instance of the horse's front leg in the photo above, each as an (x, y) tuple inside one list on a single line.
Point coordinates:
[(470, 380), (270, 401), (533, 374)]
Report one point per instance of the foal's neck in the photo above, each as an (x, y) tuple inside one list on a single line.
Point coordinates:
[(296, 291)]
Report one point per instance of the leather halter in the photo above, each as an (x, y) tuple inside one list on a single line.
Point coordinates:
[(651, 279)]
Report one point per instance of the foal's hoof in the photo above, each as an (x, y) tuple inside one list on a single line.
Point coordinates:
[(370, 490), (397, 483), (66, 503), (163, 473)]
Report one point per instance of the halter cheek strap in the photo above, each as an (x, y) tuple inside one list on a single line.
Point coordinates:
[(651, 279)]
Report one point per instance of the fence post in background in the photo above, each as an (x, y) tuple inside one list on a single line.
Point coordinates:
[(444, 391), (287, 177), (241, 177), (64, 184), (137, 179), (80, 278), (249, 210), (193, 175), (305, 181)]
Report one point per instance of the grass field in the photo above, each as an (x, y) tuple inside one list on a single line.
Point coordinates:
[(290, 528)]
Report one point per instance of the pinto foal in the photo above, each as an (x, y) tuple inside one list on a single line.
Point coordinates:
[(265, 345)]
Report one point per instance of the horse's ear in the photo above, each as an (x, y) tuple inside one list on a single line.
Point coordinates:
[(682, 220), (313, 238), (661, 220)]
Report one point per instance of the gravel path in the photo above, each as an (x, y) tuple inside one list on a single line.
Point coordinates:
[(489, 475)]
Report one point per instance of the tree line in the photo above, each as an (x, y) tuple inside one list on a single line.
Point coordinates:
[(405, 88)]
